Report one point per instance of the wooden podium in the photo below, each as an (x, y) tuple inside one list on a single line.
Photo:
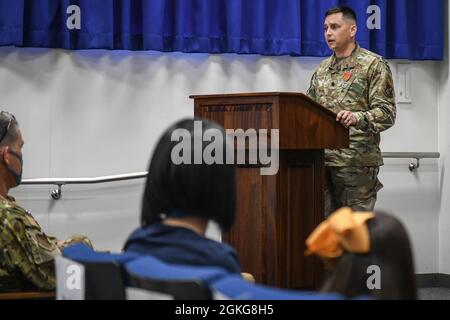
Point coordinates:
[(275, 214)]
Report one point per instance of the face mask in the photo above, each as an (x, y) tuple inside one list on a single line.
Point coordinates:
[(17, 176)]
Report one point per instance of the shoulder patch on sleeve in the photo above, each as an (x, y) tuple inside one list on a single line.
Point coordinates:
[(389, 91), (43, 242)]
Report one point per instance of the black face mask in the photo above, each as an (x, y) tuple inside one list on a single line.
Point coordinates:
[(17, 176)]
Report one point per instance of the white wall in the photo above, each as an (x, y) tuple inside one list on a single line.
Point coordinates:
[(414, 197), (444, 168), (92, 113)]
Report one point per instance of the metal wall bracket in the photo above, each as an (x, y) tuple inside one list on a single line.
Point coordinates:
[(57, 193), (414, 166)]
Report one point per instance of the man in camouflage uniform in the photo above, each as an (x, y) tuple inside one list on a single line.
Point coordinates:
[(26, 252), (357, 85)]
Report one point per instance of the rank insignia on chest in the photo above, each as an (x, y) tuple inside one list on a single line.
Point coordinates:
[(347, 75)]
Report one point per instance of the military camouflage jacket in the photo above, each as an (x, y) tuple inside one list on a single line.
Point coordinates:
[(361, 83), (26, 252)]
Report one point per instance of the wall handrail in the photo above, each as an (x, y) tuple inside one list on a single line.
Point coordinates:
[(64, 181), (411, 155), (56, 194), (413, 166)]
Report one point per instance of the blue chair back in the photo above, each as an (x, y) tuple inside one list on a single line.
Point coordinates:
[(180, 282), (236, 288), (101, 274)]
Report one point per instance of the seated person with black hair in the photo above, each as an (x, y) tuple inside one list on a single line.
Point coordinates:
[(368, 253), (180, 199)]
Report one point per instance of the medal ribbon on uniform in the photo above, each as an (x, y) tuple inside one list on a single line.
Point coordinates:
[(347, 75)]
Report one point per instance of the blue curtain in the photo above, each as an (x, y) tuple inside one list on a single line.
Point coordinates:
[(410, 29)]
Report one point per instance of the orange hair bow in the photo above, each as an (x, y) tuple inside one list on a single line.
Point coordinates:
[(343, 230)]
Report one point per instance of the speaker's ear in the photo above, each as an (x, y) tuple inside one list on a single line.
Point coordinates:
[(353, 30)]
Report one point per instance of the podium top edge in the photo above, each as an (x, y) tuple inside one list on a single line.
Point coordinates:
[(249, 94), (266, 94)]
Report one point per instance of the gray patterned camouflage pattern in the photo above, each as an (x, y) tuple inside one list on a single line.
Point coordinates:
[(361, 83), (354, 187), (26, 252)]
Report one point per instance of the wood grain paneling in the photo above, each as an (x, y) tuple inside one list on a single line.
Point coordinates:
[(276, 213)]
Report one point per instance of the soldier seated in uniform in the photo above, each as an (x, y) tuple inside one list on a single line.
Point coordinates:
[(26, 252)]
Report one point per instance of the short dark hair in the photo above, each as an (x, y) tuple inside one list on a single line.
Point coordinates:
[(347, 12), (8, 128), (391, 251), (194, 190)]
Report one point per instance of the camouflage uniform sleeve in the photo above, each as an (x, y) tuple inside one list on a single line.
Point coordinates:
[(28, 250), (312, 87), (382, 110), (76, 239)]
